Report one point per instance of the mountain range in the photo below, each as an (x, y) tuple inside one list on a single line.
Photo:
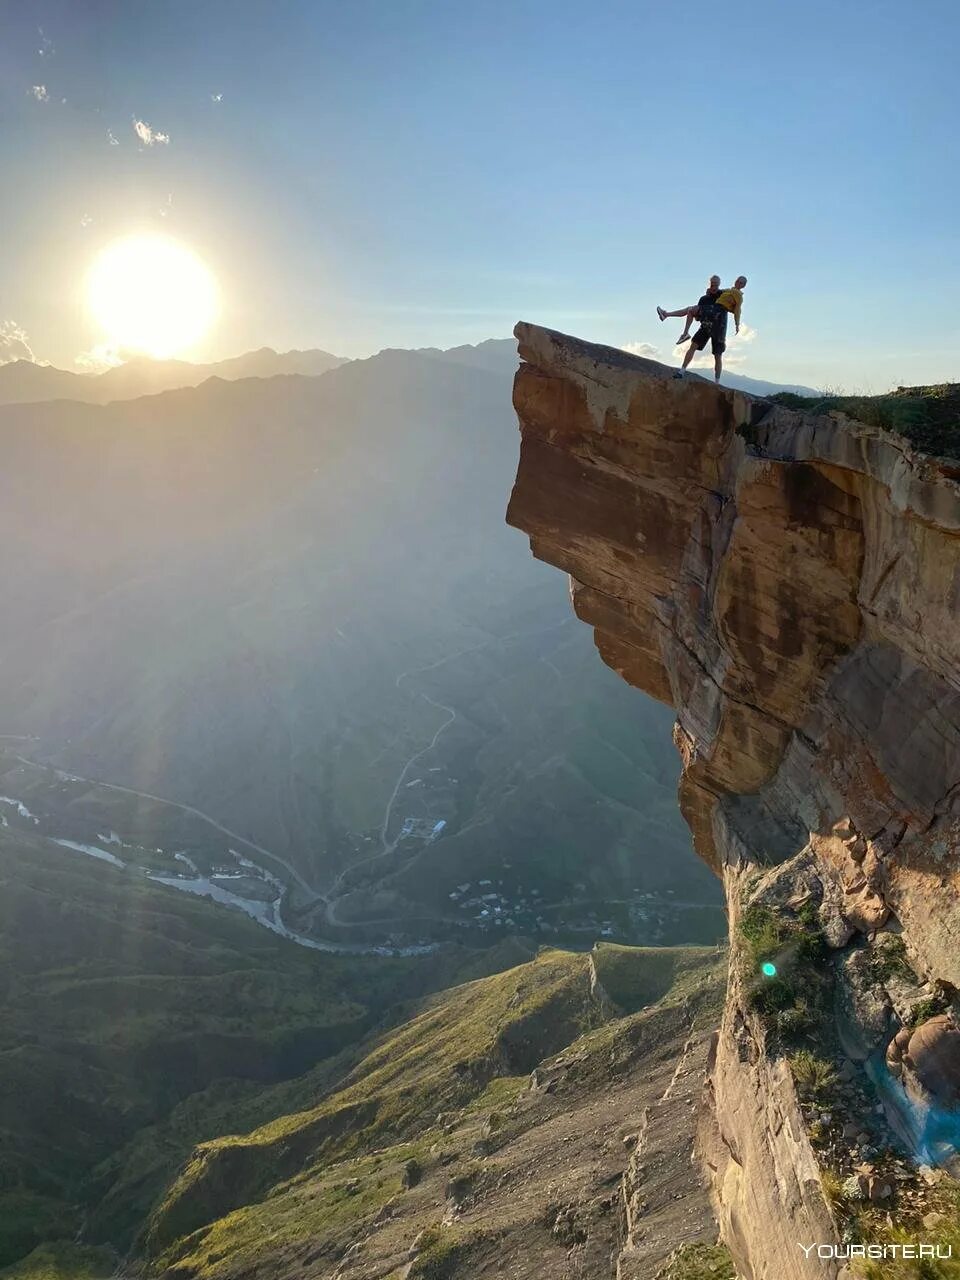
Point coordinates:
[(24, 382)]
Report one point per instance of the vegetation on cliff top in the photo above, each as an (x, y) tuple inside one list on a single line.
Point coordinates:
[(442, 1249), (929, 417)]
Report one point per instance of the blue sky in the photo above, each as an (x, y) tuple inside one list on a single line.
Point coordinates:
[(408, 172)]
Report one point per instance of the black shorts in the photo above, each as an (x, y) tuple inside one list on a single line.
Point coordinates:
[(713, 325)]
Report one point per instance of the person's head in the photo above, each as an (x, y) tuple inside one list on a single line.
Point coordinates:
[(740, 282), (713, 284)]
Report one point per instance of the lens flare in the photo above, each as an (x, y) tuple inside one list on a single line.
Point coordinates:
[(768, 970)]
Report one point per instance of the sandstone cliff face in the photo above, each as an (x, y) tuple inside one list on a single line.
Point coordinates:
[(791, 585)]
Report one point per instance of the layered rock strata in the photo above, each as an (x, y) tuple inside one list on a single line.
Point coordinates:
[(789, 583)]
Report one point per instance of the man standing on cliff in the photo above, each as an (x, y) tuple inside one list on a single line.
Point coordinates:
[(713, 325)]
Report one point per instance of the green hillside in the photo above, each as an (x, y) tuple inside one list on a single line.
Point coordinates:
[(134, 1020), (176, 1082), (929, 417), (64, 1261), (430, 1101)]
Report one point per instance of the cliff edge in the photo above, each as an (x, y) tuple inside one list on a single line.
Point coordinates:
[(790, 583)]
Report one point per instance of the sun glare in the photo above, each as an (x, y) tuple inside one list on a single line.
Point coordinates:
[(152, 295)]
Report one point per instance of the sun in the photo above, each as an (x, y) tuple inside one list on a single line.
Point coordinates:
[(151, 294)]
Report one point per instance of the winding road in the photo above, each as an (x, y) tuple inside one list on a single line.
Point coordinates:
[(295, 875)]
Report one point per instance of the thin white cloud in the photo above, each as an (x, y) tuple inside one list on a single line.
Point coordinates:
[(112, 138), (149, 136), (86, 219), (14, 343), (216, 97), (46, 46), (39, 91), (645, 349), (98, 359), (705, 359)]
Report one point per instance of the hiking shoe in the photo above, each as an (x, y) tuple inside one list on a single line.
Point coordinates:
[(678, 374), (661, 313), (684, 337)]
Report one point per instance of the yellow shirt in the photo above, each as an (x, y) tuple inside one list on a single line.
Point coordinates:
[(731, 300)]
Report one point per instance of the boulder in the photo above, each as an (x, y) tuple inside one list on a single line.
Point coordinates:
[(932, 1056), (879, 1188), (895, 1051)]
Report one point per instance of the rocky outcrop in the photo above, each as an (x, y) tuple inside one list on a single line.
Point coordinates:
[(791, 585)]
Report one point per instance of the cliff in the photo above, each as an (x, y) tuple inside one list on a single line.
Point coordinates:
[(790, 583)]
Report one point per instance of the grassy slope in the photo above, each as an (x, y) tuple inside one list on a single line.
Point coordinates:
[(635, 977), (123, 1004), (306, 1185), (929, 417), (447, 1054), (63, 1261)]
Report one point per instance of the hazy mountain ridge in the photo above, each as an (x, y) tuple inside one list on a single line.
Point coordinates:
[(23, 382), (500, 355), (761, 387)]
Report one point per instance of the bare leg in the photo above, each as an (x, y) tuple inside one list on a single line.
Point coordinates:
[(690, 353), (691, 314), (717, 366)]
